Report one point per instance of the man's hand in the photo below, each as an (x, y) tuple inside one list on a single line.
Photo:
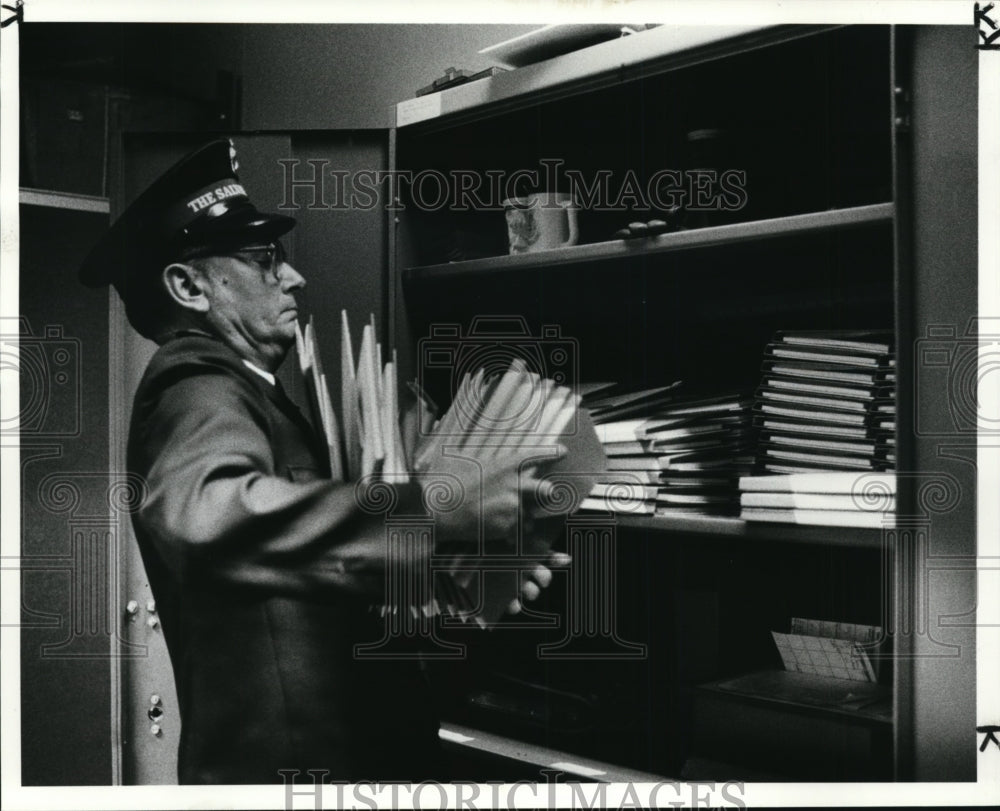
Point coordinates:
[(534, 581), (497, 497), (492, 499)]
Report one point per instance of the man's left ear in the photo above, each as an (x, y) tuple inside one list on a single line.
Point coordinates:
[(186, 286)]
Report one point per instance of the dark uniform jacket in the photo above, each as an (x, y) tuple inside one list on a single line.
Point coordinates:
[(263, 573)]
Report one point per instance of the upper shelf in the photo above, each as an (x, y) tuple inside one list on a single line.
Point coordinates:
[(795, 225), (649, 52)]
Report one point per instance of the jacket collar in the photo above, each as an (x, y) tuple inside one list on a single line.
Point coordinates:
[(275, 392)]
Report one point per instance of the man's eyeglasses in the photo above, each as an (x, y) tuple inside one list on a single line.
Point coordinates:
[(267, 257)]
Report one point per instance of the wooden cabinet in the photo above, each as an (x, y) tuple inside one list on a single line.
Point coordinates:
[(836, 222)]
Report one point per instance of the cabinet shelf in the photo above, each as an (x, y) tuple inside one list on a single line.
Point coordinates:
[(849, 229), (861, 701), (574, 767), (710, 526), (66, 200), (794, 225), (797, 725), (664, 48)]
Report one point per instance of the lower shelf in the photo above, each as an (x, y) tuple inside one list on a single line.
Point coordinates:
[(857, 700), (710, 525), (793, 726), (536, 758)]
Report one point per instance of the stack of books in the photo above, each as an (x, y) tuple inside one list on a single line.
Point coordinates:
[(671, 451), (827, 402), (884, 429), (831, 499)]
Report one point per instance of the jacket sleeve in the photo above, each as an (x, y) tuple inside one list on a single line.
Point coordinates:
[(215, 506)]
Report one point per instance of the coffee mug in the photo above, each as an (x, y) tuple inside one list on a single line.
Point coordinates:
[(540, 222)]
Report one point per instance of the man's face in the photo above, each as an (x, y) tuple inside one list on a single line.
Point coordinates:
[(252, 302)]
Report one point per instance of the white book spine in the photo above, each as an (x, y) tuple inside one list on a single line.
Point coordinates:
[(833, 482), (881, 502), (830, 518)]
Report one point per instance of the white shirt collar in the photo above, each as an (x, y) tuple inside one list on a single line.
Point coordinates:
[(266, 375)]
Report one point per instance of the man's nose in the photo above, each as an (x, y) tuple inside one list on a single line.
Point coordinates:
[(291, 279)]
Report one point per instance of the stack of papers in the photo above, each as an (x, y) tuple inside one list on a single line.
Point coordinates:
[(838, 650)]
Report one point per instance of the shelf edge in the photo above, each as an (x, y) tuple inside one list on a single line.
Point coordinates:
[(64, 200), (652, 51), (717, 527), (544, 758), (713, 236)]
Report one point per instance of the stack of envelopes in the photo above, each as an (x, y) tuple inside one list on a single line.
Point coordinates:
[(514, 414)]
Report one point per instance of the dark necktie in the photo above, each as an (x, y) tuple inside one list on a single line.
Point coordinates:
[(290, 408)]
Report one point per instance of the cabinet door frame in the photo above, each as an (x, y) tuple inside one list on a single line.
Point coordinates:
[(935, 122)]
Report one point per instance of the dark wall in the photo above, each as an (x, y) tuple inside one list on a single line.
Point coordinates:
[(350, 76), (290, 76), (342, 253), (177, 59), (68, 540)]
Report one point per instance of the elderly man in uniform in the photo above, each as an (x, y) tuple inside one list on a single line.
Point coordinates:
[(263, 569)]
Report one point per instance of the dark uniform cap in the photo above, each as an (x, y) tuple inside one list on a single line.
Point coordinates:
[(198, 203)]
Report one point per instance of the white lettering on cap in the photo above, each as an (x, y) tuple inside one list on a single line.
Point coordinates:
[(230, 190), (216, 195), (200, 202)]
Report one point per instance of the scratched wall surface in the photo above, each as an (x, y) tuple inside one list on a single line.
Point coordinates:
[(67, 536)]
